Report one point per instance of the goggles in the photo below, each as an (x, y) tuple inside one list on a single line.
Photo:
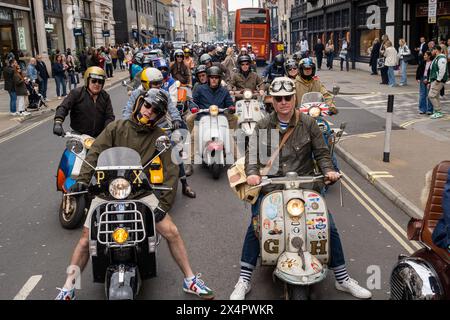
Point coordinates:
[(277, 86)]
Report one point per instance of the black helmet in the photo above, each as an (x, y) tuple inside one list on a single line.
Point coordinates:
[(158, 99), (279, 60), (214, 71), (244, 58), (211, 48), (201, 68)]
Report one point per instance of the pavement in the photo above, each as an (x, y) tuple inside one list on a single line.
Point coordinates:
[(416, 148), (10, 123)]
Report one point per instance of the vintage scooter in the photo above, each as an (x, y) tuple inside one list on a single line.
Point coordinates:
[(123, 238), (425, 275), (73, 207), (294, 233), (214, 138)]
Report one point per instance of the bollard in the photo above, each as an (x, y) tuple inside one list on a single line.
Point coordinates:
[(387, 135)]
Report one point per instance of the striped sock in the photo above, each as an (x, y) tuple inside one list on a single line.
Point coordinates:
[(340, 273), (246, 274)]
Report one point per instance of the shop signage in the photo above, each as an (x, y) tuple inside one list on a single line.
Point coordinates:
[(77, 32), (5, 14), (443, 8), (22, 42), (49, 26), (432, 9), (106, 33)]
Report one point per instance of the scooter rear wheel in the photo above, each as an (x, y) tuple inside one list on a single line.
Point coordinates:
[(76, 215), (293, 292)]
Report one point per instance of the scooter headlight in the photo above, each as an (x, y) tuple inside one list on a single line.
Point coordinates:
[(120, 235), (295, 207), (248, 95), (314, 112), (88, 143), (120, 188), (214, 110)]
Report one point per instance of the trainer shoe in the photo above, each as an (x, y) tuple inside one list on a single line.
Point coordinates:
[(197, 286), (436, 115), (351, 286), (240, 290), (65, 294)]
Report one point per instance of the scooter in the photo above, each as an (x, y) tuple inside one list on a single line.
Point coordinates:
[(214, 140), (184, 100), (294, 233), (73, 207)]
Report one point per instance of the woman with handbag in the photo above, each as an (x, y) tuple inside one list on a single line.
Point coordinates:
[(380, 62), (404, 55), (344, 54)]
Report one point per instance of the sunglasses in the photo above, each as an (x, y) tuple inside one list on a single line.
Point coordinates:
[(292, 68), (277, 86), (99, 81), (286, 98), (179, 56)]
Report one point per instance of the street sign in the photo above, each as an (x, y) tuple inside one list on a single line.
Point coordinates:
[(432, 9), (77, 32), (106, 34), (22, 42)]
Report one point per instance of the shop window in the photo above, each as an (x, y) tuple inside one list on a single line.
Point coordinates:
[(337, 19), (345, 18), (366, 41), (53, 6)]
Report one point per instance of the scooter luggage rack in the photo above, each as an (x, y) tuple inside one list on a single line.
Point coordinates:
[(106, 226)]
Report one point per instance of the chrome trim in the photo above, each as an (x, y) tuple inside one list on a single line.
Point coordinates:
[(119, 168), (415, 279)]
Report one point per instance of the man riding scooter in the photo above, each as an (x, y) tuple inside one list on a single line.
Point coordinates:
[(303, 132), (275, 69), (211, 93), (246, 78), (291, 69), (200, 76)]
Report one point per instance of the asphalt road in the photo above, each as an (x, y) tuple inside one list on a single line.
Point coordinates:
[(32, 242)]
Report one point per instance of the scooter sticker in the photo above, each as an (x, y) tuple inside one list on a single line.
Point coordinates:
[(314, 206), (272, 246), (310, 224), (315, 266), (320, 223), (276, 229), (271, 211), (289, 263), (266, 224)]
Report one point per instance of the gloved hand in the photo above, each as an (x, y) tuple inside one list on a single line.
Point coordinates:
[(78, 187), (176, 124), (231, 110), (58, 128)]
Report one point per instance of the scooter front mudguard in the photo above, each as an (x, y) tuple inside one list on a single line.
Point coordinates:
[(65, 168)]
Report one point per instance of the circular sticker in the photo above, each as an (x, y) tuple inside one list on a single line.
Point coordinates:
[(315, 206)]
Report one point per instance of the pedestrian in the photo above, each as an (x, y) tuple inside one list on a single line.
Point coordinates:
[(108, 63), (304, 48), (329, 52), (42, 76), (421, 49), (422, 77), (343, 54), (384, 68), (21, 90), (230, 63), (374, 55), (121, 57), (438, 77), (8, 75), (114, 56), (403, 55), (32, 73), (319, 48), (71, 76), (83, 62), (391, 61), (100, 58), (58, 70)]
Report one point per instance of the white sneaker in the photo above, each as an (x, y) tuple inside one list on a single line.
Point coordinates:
[(240, 290), (14, 114), (59, 98), (354, 289), (25, 113)]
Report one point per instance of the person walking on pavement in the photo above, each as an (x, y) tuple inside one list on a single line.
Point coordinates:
[(304, 47), (421, 49), (114, 56), (422, 77), (384, 69), (403, 51), (8, 75), (71, 73), (343, 54), (391, 60), (329, 52), (305, 133), (42, 76), (21, 90), (121, 57), (319, 48), (374, 55), (438, 77)]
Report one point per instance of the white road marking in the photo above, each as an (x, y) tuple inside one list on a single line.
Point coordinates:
[(28, 287), (365, 97), (374, 102)]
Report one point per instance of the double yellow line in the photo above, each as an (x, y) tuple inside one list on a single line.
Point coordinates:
[(380, 215)]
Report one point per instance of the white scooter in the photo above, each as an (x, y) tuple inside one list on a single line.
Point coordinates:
[(214, 141), (294, 232)]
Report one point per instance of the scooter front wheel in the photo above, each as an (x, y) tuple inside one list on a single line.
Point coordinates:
[(293, 292), (216, 170), (72, 218)]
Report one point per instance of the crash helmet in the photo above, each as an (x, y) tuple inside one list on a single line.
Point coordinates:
[(307, 63), (147, 61), (290, 63), (249, 46), (156, 98), (138, 58), (214, 71), (282, 86), (279, 60), (244, 50), (162, 65), (200, 69), (94, 73), (211, 47), (151, 76), (177, 53), (297, 56), (205, 58), (244, 58), (187, 52)]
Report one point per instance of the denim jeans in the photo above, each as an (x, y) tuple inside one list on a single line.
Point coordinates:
[(403, 66), (424, 103), (251, 248), (391, 76), (60, 84), (43, 87), (12, 101), (330, 59)]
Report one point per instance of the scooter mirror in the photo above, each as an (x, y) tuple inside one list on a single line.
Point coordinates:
[(343, 125), (336, 90), (162, 143), (178, 83)]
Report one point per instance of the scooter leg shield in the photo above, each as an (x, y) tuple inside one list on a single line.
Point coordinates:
[(291, 269)]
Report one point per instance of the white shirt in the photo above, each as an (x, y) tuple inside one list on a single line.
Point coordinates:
[(304, 46)]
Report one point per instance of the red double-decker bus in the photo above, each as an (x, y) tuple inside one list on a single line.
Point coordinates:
[(253, 26)]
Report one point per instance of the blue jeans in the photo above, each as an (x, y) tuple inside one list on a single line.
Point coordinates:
[(330, 59), (251, 248), (60, 83), (404, 78), (391, 76), (12, 101), (424, 103), (43, 87)]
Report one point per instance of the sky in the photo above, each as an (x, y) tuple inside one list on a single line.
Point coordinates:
[(236, 4)]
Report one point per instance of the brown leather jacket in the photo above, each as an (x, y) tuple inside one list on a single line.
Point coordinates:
[(315, 85), (239, 82), (296, 154)]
